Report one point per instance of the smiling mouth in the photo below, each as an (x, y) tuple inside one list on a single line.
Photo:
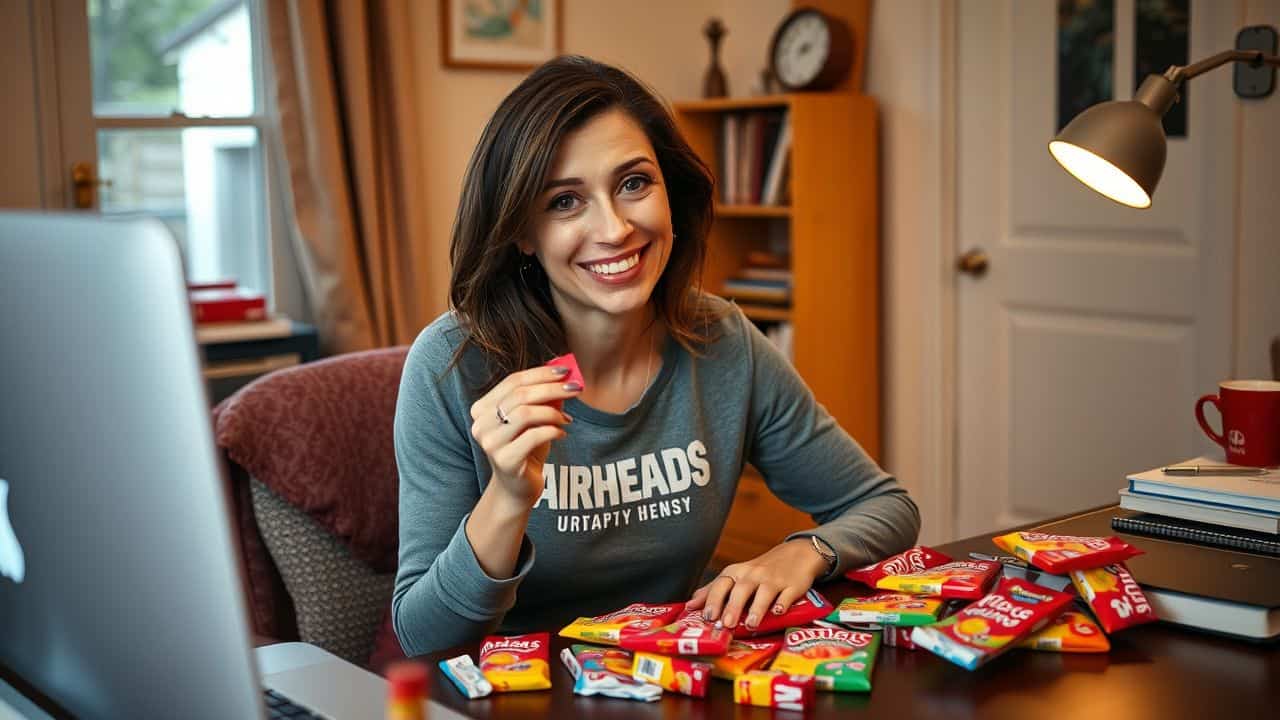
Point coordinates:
[(616, 267)]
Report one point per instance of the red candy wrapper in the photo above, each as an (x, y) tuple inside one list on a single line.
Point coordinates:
[(913, 560), (960, 579), (993, 625), (898, 636), (575, 374), (1114, 597), (1060, 554), (802, 612), (690, 635)]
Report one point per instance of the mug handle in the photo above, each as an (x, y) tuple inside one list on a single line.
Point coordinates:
[(1204, 425)]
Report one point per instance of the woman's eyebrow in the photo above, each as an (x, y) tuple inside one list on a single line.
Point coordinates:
[(570, 181)]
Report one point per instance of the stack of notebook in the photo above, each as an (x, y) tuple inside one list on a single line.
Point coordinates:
[(1206, 502)]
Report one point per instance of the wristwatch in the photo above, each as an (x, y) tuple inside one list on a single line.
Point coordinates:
[(821, 547)]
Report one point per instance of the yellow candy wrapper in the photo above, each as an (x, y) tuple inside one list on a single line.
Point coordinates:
[(636, 617), (517, 663)]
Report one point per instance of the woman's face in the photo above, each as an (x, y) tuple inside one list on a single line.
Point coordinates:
[(602, 224)]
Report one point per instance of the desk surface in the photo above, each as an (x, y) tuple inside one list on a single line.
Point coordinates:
[(1153, 671)]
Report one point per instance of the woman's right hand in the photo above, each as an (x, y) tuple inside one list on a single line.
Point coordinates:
[(518, 446)]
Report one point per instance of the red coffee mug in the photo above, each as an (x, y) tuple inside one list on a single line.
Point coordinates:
[(1250, 412)]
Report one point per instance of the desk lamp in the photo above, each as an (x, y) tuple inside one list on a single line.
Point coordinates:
[(1118, 147)]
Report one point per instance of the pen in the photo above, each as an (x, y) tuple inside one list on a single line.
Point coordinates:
[(1212, 470)]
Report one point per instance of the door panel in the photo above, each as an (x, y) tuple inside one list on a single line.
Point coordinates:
[(1082, 349)]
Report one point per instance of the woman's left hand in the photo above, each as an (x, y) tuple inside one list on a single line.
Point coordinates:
[(769, 583)]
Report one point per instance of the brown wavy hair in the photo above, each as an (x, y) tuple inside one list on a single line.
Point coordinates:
[(504, 309)]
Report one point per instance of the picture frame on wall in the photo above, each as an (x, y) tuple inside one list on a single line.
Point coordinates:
[(499, 34)]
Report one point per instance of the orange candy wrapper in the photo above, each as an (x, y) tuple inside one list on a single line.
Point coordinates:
[(517, 663), (1070, 632), (1114, 597), (682, 675), (914, 560), (960, 579), (690, 635), (774, 689), (802, 612), (1060, 554), (608, 629), (743, 657)]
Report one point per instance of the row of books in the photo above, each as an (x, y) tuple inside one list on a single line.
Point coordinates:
[(225, 312), (765, 278), (755, 157)]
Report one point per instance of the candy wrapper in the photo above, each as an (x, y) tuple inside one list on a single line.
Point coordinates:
[(802, 612), (959, 579), (1060, 554), (1114, 597), (904, 563), (575, 374), (682, 675), (465, 676), (690, 635), (517, 663), (743, 657), (887, 609), (607, 672), (1070, 632), (839, 660), (773, 689), (898, 636), (636, 617), (993, 625)]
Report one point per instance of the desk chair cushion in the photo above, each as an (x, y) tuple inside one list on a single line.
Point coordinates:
[(339, 601), (319, 436)]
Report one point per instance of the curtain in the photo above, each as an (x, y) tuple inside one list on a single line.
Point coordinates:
[(346, 102)]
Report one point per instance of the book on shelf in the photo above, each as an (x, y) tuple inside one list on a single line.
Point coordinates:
[(765, 273), (274, 326), (1246, 492), (764, 291), (1256, 520), (1198, 533), (227, 305), (753, 152)]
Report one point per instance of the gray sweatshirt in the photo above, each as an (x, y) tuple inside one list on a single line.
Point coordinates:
[(634, 502)]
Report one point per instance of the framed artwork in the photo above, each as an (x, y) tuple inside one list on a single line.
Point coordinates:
[(499, 34)]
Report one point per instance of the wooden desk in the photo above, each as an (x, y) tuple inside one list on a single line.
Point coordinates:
[(1155, 671)]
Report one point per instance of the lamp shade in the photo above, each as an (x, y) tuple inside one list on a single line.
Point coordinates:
[(1117, 148)]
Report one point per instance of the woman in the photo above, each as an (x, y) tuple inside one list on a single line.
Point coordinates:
[(527, 500)]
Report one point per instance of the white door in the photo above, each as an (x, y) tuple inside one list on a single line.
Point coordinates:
[(1083, 347)]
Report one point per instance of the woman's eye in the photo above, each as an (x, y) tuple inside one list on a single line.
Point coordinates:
[(635, 183), (563, 202)]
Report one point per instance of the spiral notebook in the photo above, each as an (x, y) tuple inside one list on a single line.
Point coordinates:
[(1197, 532)]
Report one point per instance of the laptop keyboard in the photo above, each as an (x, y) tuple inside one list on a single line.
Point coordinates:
[(279, 706)]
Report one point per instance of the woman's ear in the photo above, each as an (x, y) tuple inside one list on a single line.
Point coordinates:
[(525, 247)]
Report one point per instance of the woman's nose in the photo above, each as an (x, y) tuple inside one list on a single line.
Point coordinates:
[(614, 228)]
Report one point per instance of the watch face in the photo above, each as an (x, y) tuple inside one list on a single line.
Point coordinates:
[(802, 50)]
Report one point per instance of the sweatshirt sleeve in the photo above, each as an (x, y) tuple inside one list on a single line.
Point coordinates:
[(812, 464), (442, 596)]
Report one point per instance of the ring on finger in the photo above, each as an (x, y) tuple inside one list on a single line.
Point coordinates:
[(502, 417)]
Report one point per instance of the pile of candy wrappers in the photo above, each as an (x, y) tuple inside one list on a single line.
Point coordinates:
[(961, 610)]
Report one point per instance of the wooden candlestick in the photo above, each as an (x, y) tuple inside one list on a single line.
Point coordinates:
[(714, 84)]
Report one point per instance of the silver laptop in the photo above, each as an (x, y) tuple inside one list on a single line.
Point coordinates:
[(119, 592)]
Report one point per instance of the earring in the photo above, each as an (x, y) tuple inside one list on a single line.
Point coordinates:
[(527, 268)]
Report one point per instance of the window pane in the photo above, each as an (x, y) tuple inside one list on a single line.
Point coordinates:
[(206, 184), (154, 57)]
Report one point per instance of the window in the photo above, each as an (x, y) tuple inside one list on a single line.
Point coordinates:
[(178, 109)]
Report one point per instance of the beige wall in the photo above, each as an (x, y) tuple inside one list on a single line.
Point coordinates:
[(661, 42)]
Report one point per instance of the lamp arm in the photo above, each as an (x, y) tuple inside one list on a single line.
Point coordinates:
[(1179, 73)]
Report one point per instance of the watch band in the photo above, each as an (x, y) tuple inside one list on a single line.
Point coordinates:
[(821, 547)]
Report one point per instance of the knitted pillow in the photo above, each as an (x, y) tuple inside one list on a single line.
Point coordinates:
[(339, 601)]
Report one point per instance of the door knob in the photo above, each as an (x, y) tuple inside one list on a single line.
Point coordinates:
[(973, 262), (84, 186)]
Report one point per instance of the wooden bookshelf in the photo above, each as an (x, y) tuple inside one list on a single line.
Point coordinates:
[(832, 229)]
